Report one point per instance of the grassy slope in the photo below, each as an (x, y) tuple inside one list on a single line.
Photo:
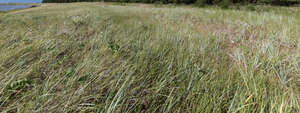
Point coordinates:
[(141, 58)]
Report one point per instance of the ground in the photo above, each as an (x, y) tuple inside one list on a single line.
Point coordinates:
[(112, 57)]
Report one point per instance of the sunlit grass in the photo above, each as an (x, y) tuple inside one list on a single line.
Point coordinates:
[(96, 57)]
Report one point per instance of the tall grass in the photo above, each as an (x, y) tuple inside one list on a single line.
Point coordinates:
[(88, 57)]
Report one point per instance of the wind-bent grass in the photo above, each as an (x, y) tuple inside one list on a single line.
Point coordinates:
[(96, 57)]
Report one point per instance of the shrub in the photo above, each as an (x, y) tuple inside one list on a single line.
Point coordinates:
[(251, 8), (201, 3), (224, 4)]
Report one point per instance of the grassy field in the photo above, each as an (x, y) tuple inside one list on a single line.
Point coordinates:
[(105, 57)]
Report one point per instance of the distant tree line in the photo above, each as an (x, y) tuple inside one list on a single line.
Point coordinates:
[(197, 2), (127, 1)]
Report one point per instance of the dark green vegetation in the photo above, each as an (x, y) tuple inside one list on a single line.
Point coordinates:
[(222, 3), (98, 57)]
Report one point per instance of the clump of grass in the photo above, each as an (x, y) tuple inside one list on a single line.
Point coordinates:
[(148, 59), (20, 84), (113, 45)]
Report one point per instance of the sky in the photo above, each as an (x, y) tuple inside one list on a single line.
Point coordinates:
[(20, 1)]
